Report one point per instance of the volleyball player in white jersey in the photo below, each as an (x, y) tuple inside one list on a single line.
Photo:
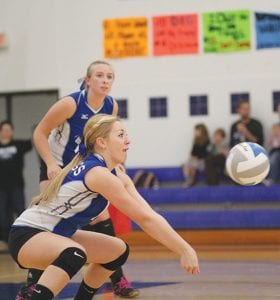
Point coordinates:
[(57, 137), (46, 236)]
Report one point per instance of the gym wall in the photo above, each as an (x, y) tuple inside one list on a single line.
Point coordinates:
[(52, 42)]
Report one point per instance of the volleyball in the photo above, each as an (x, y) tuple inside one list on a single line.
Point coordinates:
[(247, 163)]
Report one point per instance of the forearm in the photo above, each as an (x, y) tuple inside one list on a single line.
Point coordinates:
[(42, 146), (131, 189), (159, 229)]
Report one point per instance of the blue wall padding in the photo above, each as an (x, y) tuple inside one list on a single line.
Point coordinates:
[(222, 219), (212, 194)]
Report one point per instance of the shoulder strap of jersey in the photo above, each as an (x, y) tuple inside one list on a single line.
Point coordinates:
[(78, 96), (82, 96), (110, 99)]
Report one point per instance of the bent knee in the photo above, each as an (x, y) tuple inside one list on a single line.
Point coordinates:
[(119, 261), (71, 260)]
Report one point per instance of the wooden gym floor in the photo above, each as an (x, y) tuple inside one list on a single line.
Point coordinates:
[(232, 271)]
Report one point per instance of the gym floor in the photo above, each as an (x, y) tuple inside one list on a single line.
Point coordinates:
[(227, 272)]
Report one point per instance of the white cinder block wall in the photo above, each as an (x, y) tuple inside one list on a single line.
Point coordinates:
[(51, 43)]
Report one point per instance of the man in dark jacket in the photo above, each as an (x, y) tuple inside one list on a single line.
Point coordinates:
[(246, 129)]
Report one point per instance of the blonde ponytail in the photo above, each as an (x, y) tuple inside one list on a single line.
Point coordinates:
[(54, 185)]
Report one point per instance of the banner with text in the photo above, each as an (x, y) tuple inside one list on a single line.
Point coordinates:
[(267, 30), (126, 37), (175, 34), (226, 31)]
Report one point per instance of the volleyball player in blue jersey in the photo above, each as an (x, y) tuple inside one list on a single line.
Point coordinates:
[(47, 235), (57, 139)]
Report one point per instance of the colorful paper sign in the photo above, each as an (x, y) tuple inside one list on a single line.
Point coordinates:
[(175, 34), (267, 30), (226, 31), (125, 37)]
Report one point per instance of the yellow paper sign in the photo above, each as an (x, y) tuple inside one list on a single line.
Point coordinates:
[(125, 37)]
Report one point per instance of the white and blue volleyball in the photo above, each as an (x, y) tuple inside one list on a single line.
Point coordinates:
[(247, 163)]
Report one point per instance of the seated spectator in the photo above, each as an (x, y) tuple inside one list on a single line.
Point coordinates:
[(145, 179), (246, 129), (215, 161), (274, 155), (198, 154)]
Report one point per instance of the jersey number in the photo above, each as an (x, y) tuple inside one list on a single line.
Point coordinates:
[(78, 169)]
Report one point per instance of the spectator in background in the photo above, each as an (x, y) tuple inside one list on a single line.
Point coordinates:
[(215, 161), (246, 129), (198, 154), (274, 155), (12, 202)]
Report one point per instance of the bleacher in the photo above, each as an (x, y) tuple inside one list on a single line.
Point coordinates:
[(163, 174), (212, 207), (170, 175)]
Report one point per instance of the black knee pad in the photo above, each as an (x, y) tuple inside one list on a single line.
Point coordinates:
[(71, 260), (115, 264)]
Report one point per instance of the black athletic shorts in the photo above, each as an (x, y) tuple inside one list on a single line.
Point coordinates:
[(43, 171), (18, 237)]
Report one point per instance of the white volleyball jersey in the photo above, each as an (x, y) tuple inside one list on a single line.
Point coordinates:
[(73, 207)]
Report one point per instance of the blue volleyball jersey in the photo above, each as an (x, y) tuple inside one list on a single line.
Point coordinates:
[(65, 139), (73, 207)]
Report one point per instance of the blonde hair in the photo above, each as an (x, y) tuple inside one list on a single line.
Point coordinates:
[(89, 72), (95, 63), (98, 126)]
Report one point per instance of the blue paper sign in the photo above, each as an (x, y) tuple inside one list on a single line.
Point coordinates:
[(267, 30)]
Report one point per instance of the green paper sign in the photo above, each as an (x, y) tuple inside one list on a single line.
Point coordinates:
[(226, 31)]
